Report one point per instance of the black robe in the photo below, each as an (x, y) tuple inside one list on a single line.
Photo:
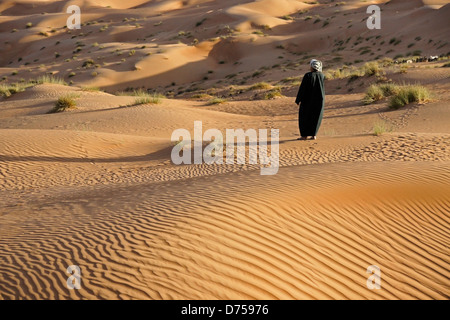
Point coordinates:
[(311, 94)]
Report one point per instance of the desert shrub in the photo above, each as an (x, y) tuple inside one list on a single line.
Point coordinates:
[(153, 98), (389, 89), (287, 17), (374, 93), (371, 68), (260, 86), (141, 100), (64, 103), (88, 63), (273, 93), (216, 100), (385, 62), (6, 90), (259, 32), (377, 92), (90, 89), (333, 74), (409, 94), (380, 127), (354, 75), (257, 73), (143, 97), (156, 98), (50, 79), (403, 68), (291, 80)]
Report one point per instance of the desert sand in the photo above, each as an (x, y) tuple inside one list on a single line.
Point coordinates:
[(95, 186)]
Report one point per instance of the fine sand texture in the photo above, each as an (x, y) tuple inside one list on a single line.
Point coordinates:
[(95, 186)]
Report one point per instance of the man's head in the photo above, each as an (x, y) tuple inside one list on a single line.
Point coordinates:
[(316, 65)]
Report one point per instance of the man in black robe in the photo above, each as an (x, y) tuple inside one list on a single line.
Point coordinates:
[(311, 95)]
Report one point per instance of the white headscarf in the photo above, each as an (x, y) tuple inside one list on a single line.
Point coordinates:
[(316, 65)]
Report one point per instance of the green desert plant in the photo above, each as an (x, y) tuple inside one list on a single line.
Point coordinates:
[(88, 63), (143, 97), (7, 90), (272, 94), (90, 89), (403, 68), (141, 100), (156, 98), (409, 94), (374, 93), (377, 92), (371, 68), (64, 103), (259, 32), (50, 79), (380, 127), (260, 86), (216, 100), (287, 17)]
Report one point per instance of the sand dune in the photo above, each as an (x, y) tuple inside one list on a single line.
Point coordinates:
[(283, 240), (95, 185), (171, 51)]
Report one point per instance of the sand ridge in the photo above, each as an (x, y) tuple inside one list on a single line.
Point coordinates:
[(271, 245)]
